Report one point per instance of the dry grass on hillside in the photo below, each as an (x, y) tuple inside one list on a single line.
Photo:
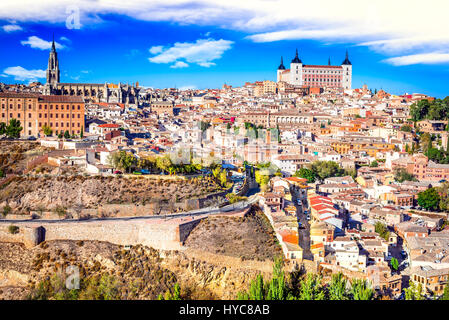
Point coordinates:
[(249, 238)]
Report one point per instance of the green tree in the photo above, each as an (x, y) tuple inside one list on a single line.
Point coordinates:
[(360, 290), (401, 175), (419, 110), (122, 160), (406, 128), (445, 295), (163, 163), (47, 130), (414, 292), (306, 174), (82, 132), (223, 177), (262, 178), (2, 128), (257, 289), (326, 169), (67, 134), (204, 125), (394, 263), (429, 199), (311, 288), (337, 287), (382, 230), (374, 164), (276, 288), (14, 128)]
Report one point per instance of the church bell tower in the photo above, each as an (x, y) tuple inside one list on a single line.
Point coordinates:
[(53, 73)]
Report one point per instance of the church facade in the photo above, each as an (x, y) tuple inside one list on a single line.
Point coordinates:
[(90, 92), (323, 76)]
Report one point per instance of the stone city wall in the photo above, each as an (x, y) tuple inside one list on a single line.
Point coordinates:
[(159, 234)]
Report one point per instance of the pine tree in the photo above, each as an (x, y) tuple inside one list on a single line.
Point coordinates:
[(361, 290), (337, 287), (277, 289), (257, 290)]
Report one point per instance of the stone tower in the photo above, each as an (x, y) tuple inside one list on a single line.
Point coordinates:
[(281, 69), (53, 73), (296, 70), (347, 72)]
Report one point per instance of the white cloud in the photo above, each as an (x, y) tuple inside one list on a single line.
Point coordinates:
[(201, 52), (22, 74), (38, 43), (400, 27), (11, 28), (156, 49), (85, 71), (424, 58), (179, 64), (65, 39)]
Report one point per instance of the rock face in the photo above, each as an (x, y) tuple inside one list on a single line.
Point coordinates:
[(47, 193), (150, 272)]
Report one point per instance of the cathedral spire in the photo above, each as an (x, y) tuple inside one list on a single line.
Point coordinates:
[(53, 47), (329, 61)]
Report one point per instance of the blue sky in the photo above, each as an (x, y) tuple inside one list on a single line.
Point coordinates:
[(205, 44)]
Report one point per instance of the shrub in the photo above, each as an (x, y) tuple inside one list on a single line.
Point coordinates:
[(13, 229), (6, 210), (60, 211)]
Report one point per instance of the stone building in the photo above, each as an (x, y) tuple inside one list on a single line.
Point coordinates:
[(60, 113), (90, 92)]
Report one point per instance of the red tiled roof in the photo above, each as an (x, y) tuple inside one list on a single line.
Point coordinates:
[(322, 66), (109, 125)]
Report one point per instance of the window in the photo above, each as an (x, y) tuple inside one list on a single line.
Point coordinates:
[(29, 115)]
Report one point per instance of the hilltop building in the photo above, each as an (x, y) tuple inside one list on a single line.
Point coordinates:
[(321, 76), (94, 92)]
